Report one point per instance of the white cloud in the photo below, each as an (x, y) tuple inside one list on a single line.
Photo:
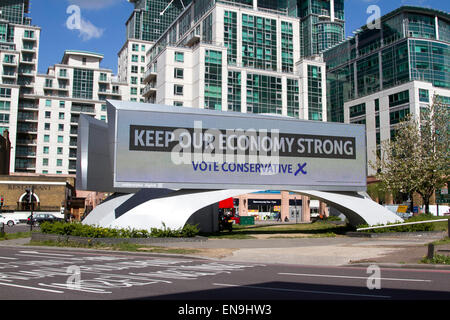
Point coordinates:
[(94, 4), (89, 31)]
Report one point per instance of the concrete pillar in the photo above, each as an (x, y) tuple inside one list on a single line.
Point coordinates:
[(284, 205), (243, 205), (306, 213), (323, 210)]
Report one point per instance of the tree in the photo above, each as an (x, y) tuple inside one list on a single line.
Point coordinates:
[(417, 158)]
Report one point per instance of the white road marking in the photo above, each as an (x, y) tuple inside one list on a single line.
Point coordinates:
[(31, 288), (8, 258), (304, 291), (47, 254), (349, 277)]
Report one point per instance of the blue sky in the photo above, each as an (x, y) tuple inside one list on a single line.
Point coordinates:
[(103, 25)]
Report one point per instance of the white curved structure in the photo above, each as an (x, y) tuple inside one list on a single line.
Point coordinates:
[(174, 209)]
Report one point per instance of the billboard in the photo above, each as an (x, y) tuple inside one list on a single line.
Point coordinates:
[(158, 146)]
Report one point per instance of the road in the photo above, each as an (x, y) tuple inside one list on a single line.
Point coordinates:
[(55, 274)]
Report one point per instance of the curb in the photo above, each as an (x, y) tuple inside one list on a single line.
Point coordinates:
[(423, 234), (402, 266)]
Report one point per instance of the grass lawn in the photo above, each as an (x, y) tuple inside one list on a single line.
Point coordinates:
[(17, 235), (116, 247), (316, 229)]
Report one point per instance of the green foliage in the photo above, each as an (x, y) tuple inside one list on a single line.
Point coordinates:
[(437, 259), (81, 230), (408, 228)]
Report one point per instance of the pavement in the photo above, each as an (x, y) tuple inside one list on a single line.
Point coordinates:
[(338, 251)]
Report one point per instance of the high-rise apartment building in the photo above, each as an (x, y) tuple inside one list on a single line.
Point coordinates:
[(322, 23), (232, 56), (381, 75), (77, 85), (19, 53), (149, 19)]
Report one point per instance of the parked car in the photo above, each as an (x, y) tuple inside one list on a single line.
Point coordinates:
[(10, 221), (38, 218)]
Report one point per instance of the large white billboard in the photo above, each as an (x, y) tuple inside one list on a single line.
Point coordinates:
[(175, 147)]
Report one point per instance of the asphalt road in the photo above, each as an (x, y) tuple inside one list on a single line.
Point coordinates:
[(75, 274)]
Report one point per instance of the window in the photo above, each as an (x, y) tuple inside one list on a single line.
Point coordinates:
[(60, 139), (133, 91), (48, 103), (29, 34), (143, 47), (178, 73), (179, 56), (423, 95), (142, 58), (48, 83), (46, 138), (46, 126), (62, 104), (45, 171), (5, 92), (59, 162), (134, 58), (84, 61), (135, 47), (178, 103), (4, 118), (45, 161), (60, 127), (178, 90), (46, 150), (103, 107), (5, 105), (103, 118), (61, 116), (59, 150), (48, 114), (63, 73), (134, 69), (133, 80)]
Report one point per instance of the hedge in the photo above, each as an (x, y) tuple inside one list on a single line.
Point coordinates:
[(420, 227), (81, 230)]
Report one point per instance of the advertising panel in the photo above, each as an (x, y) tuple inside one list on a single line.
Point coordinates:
[(173, 147)]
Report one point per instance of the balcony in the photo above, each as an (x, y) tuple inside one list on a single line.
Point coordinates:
[(150, 89), (26, 142), (83, 109), (10, 62), (104, 80), (27, 48), (27, 117), (26, 72), (27, 128), (192, 39), (74, 119), (9, 74), (28, 106), (150, 75), (28, 61), (28, 154)]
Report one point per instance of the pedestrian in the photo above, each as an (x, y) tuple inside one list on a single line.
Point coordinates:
[(279, 217)]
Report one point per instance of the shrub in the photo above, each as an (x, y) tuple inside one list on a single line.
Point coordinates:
[(81, 230)]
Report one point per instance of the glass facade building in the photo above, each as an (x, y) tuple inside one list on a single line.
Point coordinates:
[(238, 57), (151, 18), (412, 44)]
